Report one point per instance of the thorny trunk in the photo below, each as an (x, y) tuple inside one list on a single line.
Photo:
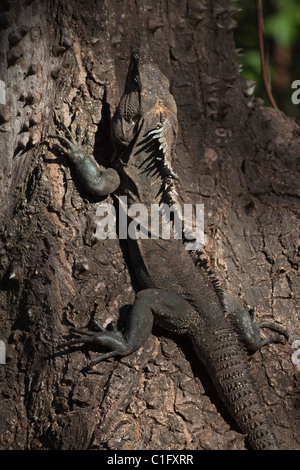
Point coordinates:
[(236, 156)]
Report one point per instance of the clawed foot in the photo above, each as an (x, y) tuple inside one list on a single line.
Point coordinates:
[(72, 146), (110, 338), (282, 335), (250, 330)]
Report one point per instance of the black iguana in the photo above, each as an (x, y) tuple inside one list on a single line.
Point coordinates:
[(174, 292)]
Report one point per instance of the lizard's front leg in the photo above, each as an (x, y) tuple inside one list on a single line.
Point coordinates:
[(168, 308), (95, 181)]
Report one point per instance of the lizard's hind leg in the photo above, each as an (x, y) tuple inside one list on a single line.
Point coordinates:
[(168, 308), (249, 329)]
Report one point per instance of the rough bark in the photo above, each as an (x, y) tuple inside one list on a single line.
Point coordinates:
[(238, 157)]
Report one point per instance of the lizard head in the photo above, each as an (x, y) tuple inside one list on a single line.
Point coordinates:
[(146, 96)]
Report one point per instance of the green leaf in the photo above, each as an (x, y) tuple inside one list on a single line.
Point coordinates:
[(251, 60), (282, 29)]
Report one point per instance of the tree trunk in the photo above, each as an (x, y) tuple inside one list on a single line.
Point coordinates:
[(236, 156)]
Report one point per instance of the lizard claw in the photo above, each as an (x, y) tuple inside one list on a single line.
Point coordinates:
[(282, 335), (66, 137), (110, 338)]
